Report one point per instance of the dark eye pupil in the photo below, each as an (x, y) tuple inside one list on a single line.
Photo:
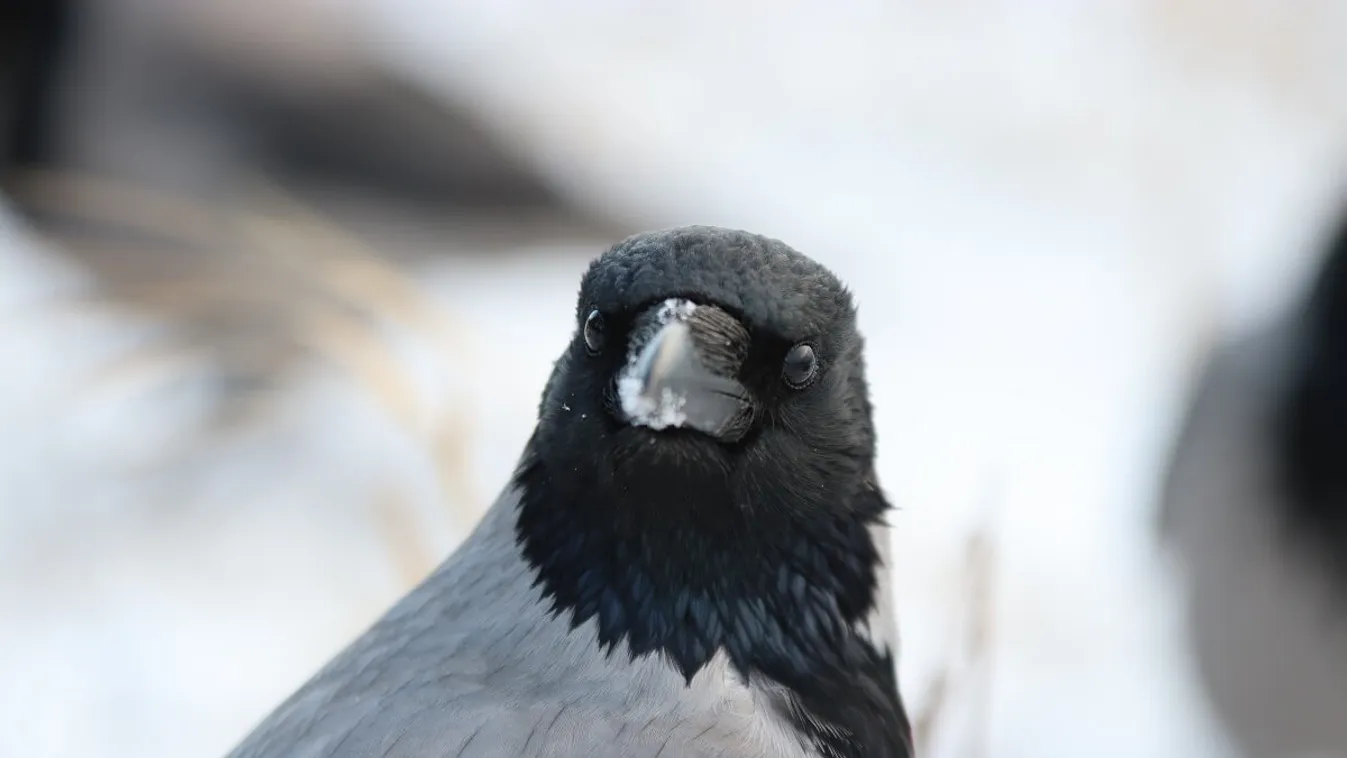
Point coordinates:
[(800, 365), (594, 331)]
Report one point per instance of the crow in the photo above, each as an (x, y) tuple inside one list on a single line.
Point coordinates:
[(688, 559)]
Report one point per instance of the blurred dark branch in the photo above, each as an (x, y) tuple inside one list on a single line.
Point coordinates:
[(35, 40)]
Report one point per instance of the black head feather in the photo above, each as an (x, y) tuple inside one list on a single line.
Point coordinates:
[(758, 544), (1311, 423)]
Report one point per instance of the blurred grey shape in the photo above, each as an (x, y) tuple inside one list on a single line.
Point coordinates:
[(175, 95), (1259, 542)]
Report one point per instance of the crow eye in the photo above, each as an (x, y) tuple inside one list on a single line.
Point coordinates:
[(594, 332), (800, 366)]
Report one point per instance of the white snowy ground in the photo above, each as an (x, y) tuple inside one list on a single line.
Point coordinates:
[(1041, 211)]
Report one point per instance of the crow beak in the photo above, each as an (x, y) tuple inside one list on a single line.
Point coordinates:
[(669, 386)]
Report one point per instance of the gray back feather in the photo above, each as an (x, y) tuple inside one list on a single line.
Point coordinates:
[(472, 664)]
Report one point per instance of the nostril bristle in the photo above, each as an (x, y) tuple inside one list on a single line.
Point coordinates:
[(721, 339)]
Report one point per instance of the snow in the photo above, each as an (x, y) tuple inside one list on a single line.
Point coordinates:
[(675, 308), (662, 413)]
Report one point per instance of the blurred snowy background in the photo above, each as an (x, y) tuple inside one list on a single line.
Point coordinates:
[(280, 283)]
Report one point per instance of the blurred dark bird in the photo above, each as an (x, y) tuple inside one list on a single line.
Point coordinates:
[(688, 561), (156, 91), (1256, 506)]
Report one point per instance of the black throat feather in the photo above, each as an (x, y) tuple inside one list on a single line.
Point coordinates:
[(687, 566)]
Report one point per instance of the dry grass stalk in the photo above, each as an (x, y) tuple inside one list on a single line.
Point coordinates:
[(966, 676), (263, 291)]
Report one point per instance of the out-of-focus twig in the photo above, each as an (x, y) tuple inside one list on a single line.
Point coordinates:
[(262, 287), (354, 273), (966, 675)]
